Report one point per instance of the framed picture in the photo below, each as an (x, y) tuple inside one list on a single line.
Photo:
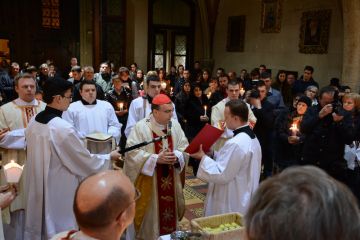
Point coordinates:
[(236, 34), (271, 16), (314, 32)]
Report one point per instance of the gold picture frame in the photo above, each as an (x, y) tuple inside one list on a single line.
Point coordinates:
[(314, 32), (271, 11)]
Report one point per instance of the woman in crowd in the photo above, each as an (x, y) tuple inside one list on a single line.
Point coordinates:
[(351, 103), (312, 92), (289, 138), (165, 83), (181, 104), (140, 79), (197, 114), (204, 80), (284, 88)]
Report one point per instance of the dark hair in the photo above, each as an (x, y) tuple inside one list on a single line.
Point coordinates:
[(86, 82), (238, 108), (134, 63), (221, 69), (55, 86), (262, 65), (104, 213), (278, 74), (22, 75), (328, 89), (310, 203), (124, 70), (233, 83), (186, 82), (260, 83), (335, 82), (153, 78), (309, 68), (255, 72), (265, 75), (224, 76), (31, 69), (76, 69)]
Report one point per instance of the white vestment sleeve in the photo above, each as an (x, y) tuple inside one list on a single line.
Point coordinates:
[(114, 127), (181, 159), (132, 118), (150, 165), (14, 139), (225, 168), (75, 156)]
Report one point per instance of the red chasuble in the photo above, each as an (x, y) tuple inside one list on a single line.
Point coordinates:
[(166, 192)]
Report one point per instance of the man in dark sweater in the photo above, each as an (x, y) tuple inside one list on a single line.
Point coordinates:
[(304, 81)]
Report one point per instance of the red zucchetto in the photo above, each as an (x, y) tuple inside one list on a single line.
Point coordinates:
[(161, 99)]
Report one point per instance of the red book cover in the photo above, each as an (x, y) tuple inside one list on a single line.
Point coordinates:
[(207, 137)]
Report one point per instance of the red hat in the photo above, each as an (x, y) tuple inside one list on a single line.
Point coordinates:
[(161, 99)]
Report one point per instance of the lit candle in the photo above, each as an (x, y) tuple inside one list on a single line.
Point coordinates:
[(242, 91), (205, 107), (209, 95), (294, 129), (121, 106), (171, 89), (163, 85)]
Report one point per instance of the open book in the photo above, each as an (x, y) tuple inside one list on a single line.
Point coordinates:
[(207, 137)]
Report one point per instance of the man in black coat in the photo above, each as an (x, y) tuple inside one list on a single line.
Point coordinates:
[(264, 112), (327, 128)]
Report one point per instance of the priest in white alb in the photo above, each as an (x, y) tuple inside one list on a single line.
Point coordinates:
[(56, 162), (14, 118), (90, 115), (234, 173), (156, 171), (217, 114), (140, 107)]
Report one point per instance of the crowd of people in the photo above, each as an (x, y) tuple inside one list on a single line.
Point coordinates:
[(269, 124)]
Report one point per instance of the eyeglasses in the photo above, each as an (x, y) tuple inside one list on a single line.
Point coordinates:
[(137, 197), (67, 97)]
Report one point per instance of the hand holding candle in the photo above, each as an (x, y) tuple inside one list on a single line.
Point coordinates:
[(242, 91), (121, 107), (294, 129)]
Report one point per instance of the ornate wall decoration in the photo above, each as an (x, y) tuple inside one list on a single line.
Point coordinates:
[(314, 32), (271, 11)]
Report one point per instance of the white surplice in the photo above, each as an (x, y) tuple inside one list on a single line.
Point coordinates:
[(99, 117), (56, 162), (140, 108), (15, 116), (233, 177), (217, 118), (143, 161)]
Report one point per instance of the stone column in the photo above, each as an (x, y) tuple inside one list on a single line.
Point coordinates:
[(351, 61)]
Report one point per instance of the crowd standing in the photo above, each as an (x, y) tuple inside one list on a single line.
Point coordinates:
[(270, 121)]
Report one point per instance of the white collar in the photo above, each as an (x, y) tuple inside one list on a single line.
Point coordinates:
[(21, 102), (81, 236)]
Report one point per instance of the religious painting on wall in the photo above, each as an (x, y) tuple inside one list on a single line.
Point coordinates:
[(271, 16), (314, 32), (236, 34)]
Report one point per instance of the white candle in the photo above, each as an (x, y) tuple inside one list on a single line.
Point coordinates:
[(171, 89), (242, 91), (121, 106), (205, 107), (294, 129), (209, 95)]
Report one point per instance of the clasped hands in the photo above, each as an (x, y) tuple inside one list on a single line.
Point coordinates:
[(167, 157), (7, 195)]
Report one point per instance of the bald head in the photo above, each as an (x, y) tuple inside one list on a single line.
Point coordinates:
[(101, 198)]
